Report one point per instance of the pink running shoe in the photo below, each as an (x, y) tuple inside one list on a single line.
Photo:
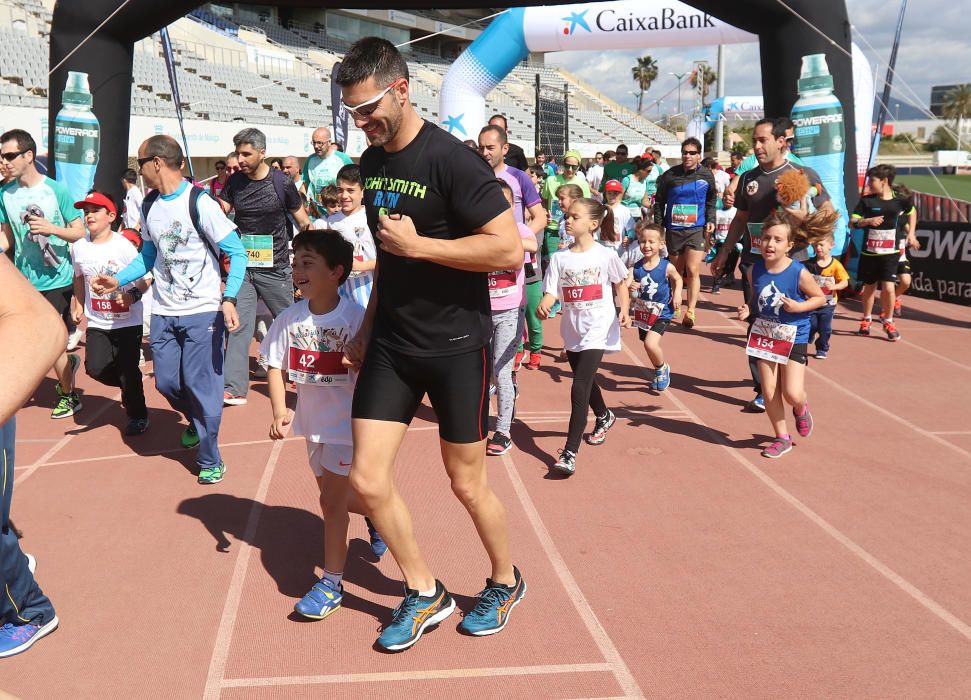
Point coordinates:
[(778, 448), (804, 423)]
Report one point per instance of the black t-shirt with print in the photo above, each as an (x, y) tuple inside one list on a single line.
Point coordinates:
[(756, 194), (259, 211), (895, 213), (448, 190)]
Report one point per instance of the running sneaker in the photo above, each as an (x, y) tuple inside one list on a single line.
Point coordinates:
[(261, 367), (893, 335), (821, 355), (492, 609), (213, 474), (778, 448), (74, 340), (566, 463), (231, 399), (534, 359), (756, 405), (414, 615), (320, 601), (518, 361), (804, 423), (136, 426), (689, 319), (378, 545), (864, 327), (716, 288), (15, 639), (600, 428), (67, 405), (498, 444), (662, 377), (190, 437)]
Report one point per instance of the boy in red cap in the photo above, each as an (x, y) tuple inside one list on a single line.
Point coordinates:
[(114, 336)]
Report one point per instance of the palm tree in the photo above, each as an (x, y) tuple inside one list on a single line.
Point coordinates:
[(708, 76), (644, 74), (957, 106)]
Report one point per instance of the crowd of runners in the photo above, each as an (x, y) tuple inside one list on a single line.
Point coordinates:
[(427, 269)]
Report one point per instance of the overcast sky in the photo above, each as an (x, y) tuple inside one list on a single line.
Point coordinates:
[(935, 50)]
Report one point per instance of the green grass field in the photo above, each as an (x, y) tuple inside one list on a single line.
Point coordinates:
[(958, 186)]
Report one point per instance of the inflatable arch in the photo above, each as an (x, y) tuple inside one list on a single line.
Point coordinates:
[(783, 35)]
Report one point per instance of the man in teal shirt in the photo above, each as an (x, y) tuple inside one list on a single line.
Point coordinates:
[(38, 222), (320, 169)]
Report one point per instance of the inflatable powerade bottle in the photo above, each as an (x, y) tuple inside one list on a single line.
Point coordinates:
[(820, 134), (77, 137)]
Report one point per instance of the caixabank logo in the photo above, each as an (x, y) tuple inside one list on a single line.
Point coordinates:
[(574, 21), (612, 21)]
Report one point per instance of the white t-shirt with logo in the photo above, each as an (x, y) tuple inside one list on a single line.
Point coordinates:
[(186, 272), (583, 282), (354, 228), (108, 258), (309, 349)]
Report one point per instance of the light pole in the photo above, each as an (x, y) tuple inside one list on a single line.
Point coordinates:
[(679, 76)]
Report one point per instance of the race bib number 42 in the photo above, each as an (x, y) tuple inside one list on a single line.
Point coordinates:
[(259, 250), (308, 366), (771, 340), (881, 241), (584, 296)]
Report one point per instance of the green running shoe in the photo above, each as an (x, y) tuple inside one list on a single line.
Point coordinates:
[(190, 437), (213, 474)]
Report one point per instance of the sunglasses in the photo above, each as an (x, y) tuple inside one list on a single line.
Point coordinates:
[(142, 161), (368, 107), (12, 156), (690, 153), (570, 166)]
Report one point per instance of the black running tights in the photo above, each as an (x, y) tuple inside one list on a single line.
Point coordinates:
[(584, 392)]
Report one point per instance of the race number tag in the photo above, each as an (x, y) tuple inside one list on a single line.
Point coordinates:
[(771, 340), (502, 283), (646, 313), (585, 296), (259, 250), (755, 238), (307, 366), (110, 308), (826, 284), (684, 215), (881, 240)]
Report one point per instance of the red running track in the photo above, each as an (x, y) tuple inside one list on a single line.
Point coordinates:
[(676, 562)]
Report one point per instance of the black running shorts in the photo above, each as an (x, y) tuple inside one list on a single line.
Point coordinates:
[(903, 267), (60, 299), (659, 327), (391, 386), (878, 268), (679, 239)]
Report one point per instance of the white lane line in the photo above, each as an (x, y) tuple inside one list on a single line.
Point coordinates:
[(432, 674), (870, 560), (951, 432), (224, 636), (603, 641), (939, 356)]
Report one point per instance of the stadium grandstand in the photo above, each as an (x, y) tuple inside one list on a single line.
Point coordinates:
[(262, 65)]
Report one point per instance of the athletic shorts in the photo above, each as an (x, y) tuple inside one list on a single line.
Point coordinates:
[(800, 353), (903, 267), (391, 386), (335, 459), (60, 299), (659, 327), (677, 241), (877, 268)]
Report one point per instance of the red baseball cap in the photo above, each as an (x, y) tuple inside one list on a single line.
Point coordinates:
[(99, 200), (613, 186)]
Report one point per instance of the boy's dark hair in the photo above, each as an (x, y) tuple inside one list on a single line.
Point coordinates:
[(504, 186), (371, 56), (537, 170), (330, 245), (328, 196), (883, 171), (130, 176), (540, 151), (350, 173), (25, 142), (692, 141)]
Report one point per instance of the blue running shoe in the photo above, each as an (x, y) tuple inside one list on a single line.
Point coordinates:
[(756, 405), (15, 639), (378, 545), (495, 604), (662, 377), (413, 616), (322, 600)]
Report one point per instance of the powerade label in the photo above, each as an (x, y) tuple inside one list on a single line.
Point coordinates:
[(818, 132), (76, 141)]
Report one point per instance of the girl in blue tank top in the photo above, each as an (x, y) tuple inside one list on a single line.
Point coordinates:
[(784, 295), (656, 295)]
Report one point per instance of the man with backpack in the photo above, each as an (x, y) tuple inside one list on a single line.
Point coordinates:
[(263, 200), (182, 227)]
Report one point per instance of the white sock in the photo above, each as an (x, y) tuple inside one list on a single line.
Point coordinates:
[(429, 593)]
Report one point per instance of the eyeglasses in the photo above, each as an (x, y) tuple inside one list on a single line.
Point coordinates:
[(12, 156), (368, 107), (146, 159), (690, 153), (320, 143)]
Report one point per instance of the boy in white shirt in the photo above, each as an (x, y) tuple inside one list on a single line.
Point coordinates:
[(351, 223), (305, 345), (114, 337)]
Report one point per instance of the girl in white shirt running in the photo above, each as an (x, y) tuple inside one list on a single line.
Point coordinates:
[(585, 277)]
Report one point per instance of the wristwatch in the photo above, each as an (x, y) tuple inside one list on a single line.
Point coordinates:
[(231, 300), (136, 294)]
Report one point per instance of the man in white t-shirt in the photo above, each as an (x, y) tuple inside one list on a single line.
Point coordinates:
[(182, 226), (595, 173), (131, 211)]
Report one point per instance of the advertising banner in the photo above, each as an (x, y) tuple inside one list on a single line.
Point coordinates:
[(942, 267), (77, 137)]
